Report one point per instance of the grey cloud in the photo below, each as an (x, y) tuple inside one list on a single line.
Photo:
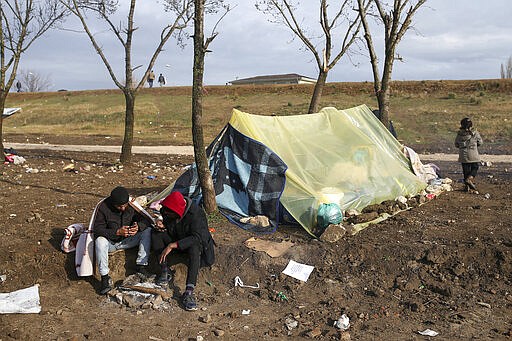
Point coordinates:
[(456, 39)]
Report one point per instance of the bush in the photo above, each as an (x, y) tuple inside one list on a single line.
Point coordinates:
[(473, 100), (451, 95)]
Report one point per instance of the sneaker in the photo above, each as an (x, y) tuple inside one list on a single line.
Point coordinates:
[(189, 302), (164, 278), (469, 182), (142, 272), (106, 284)]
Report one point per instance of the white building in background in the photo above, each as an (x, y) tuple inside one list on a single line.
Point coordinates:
[(289, 78)]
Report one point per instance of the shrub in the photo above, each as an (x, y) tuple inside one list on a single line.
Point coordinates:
[(473, 100)]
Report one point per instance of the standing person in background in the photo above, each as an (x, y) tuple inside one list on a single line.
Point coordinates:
[(468, 140), (161, 80), (151, 78), (18, 86)]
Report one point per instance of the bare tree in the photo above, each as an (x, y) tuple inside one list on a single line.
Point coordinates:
[(200, 48), (33, 81), (506, 70), (124, 34), (396, 21), (21, 23), (284, 12)]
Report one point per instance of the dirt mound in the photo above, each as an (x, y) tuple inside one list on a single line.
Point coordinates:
[(445, 265)]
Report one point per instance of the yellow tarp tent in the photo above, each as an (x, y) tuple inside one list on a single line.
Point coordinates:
[(260, 163), (342, 156)]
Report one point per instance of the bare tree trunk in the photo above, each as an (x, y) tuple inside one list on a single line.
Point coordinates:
[(317, 92), (383, 101), (383, 95), (395, 26), (126, 149), (284, 12), (509, 68), (203, 171), (124, 32), (3, 96), (21, 23)]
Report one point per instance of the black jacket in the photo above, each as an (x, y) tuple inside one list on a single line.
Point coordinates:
[(191, 229), (109, 219)]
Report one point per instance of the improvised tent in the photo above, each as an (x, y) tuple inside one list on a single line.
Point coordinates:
[(262, 164)]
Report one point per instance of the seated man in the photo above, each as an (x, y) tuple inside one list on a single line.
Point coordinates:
[(117, 225), (184, 229)]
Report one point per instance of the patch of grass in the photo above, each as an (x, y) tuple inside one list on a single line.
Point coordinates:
[(475, 101), (215, 218), (414, 107)]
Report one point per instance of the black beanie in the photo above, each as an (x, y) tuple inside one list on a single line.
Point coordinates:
[(119, 196), (466, 123)]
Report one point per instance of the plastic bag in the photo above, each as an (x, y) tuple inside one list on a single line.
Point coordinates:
[(328, 214)]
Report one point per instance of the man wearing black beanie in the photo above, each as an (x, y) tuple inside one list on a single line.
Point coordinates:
[(117, 225)]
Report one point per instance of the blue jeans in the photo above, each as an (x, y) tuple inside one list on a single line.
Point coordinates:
[(104, 247)]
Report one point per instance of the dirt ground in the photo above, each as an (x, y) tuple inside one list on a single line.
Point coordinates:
[(444, 266)]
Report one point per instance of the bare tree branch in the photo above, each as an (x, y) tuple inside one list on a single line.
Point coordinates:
[(21, 23), (124, 34), (34, 81), (396, 21), (284, 12)]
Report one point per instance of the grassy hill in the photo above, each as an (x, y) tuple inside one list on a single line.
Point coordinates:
[(426, 114)]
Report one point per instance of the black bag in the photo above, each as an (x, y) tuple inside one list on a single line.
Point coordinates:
[(208, 254)]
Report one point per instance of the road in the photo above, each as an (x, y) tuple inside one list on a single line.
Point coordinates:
[(189, 150)]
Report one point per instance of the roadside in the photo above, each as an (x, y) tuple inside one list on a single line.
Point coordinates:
[(189, 150)]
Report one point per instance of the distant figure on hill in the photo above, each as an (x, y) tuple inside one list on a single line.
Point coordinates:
[(151, 78), (18, 86), (161, 80)]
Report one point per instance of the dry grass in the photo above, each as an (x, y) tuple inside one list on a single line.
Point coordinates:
[(423, 112)]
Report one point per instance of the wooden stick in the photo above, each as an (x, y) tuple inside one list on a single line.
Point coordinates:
[(154, 291)]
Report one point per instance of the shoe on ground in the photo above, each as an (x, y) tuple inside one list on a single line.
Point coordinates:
[(106, 284), (469, 182), (189, 302), (164, 278), (142, 272)]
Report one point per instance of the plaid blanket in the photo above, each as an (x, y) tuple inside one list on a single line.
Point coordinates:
[(248, 178)]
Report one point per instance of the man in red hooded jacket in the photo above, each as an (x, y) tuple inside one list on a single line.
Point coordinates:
[(184, 229)]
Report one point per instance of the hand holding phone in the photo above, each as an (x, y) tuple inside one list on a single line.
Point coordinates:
[(134, 228)]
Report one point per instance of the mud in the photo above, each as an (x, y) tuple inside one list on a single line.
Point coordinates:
[(445, 265)]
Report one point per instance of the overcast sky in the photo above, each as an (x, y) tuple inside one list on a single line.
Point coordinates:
[(452, 39)]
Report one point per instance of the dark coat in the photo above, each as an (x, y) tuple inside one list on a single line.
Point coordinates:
[(192, 229), (109, 219)]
